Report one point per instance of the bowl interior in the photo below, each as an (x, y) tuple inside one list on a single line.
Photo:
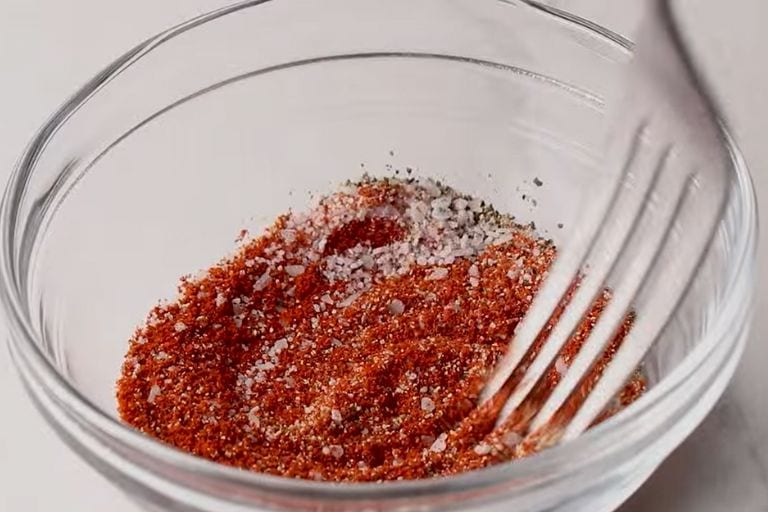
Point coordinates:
[(158, 172)]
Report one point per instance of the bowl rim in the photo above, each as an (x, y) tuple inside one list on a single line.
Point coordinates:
[(601, 442)]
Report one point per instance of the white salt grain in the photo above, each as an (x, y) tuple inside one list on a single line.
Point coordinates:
[(482, 449), (427, 404), (154, 391), (396, 307), (278, 347), (262, 282), (295, 270), (180, 327), (441, 203), (440, 444), (349, 300), (336, 416), (368, 261), (289, 235), (460, 203), (262, 366), (336, 451), (438, 274)]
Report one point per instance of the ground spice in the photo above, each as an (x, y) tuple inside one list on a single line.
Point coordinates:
[(350, 343)]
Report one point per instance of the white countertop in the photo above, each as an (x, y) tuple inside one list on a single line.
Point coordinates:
[(48, 48)]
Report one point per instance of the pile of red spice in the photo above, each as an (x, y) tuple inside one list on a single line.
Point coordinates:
[(350, 343)]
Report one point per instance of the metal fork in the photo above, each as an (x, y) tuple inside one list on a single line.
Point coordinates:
[(644, 241)]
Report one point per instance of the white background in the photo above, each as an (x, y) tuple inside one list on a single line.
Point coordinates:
[(50, 47)]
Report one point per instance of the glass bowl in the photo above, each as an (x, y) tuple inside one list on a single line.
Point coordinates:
[(221, 123)]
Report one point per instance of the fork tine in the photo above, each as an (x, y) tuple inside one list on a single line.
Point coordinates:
[(643, 248), (674, 278), (621, 221), (561, 277)]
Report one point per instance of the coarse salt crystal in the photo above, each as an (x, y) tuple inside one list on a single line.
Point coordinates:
[(154, 391), (336, 416), (289, 235), (440, 444), (278, 347), (396, 307), (474, 282), (349, 300), (336, 451), (262, 366), (483, 449), (460, 203), (474, 271), (427, 404), (180, 327), (441, 203), (438, 274), (272, 433), (367, 261), (441, 214), (431, 188), (295, 270), (262, 282)]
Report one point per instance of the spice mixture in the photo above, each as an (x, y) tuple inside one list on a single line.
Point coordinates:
[(350, 343)]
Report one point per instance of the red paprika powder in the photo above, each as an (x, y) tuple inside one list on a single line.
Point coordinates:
[(350, 343)]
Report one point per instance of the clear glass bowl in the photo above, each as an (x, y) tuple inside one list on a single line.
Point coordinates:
[(153, 167)]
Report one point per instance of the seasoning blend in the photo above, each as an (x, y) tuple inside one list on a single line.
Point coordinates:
[(350, 343)]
